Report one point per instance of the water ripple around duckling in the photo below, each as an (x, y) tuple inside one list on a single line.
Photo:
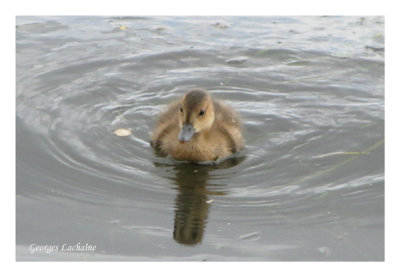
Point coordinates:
[(310, 176)]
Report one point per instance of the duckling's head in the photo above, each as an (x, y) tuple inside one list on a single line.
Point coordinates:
[(196, 114)]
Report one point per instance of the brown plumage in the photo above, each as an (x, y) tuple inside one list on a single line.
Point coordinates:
[(198, 128)]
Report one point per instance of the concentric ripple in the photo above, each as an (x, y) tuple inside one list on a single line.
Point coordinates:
[(313, 113)]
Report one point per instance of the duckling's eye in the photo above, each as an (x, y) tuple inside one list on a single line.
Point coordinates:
[(202, 112), (181, 110)]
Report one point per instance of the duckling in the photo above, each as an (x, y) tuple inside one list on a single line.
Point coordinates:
[(198, 129)]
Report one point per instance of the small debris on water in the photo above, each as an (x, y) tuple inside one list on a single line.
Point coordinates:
[(159, 29), (339, 153), (375, 49), (323, 250), (122, 132), (210, 201), (236, 60), (219, 25), (250, 236)]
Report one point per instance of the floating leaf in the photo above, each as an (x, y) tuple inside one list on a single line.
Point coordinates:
[(122, 132)]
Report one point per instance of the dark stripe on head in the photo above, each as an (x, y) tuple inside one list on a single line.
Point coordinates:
[(192, 100), (194, 97)]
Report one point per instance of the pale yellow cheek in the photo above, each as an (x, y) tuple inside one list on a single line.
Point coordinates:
[(200, 125), (197, 126)]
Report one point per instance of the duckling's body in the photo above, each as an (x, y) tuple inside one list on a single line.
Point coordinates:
[(198, 128)]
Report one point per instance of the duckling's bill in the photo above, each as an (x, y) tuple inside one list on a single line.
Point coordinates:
[(186, 133)]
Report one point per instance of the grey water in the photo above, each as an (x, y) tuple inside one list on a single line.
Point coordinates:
[(309, 185)]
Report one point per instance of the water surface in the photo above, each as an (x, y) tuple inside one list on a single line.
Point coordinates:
[(309, 184)]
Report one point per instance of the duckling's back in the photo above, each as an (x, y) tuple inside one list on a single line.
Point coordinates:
[(229, 127), (167, 123)]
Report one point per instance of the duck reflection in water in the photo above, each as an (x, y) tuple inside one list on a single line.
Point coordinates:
[(195, 129), (194, 187)]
